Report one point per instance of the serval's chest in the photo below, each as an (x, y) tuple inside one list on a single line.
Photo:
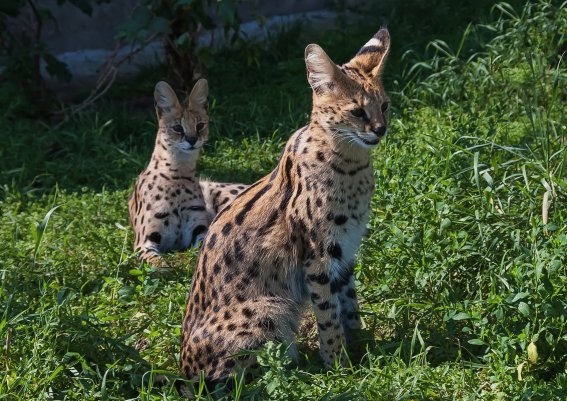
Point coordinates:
[(337, 191), (170, 203)]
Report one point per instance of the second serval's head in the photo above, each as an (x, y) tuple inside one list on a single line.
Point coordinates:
[(349, 101), (183, 129)]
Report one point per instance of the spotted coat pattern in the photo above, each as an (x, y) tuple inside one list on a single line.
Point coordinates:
[(289, 240), (170, 207)]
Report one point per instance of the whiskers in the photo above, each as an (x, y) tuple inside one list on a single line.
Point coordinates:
[(343, 135)]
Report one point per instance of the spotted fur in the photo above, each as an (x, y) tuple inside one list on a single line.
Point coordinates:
[(170, 208), (290, 239)]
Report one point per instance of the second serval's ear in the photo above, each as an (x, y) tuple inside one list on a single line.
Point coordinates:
[(370, 58), (165, 100), (322, 73), (199, 97)]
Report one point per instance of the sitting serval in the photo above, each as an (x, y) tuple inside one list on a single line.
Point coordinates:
[(170, 207), (291, 238)]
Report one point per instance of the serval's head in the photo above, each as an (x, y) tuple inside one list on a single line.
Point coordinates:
[(183, 129), (349, 101)]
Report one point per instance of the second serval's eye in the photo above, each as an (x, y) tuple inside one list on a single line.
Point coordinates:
[(178, 128), (200, 126), (385, 107), (359, 113)]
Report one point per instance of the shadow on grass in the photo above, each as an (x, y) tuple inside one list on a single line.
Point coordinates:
[(83, 346)]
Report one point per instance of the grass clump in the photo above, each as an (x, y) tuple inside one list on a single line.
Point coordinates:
[(461, 279)]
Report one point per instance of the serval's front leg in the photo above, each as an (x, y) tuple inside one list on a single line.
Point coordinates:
[(326, 307), (149, 253), (342, 283)]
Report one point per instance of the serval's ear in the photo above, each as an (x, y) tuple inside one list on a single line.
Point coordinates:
[(198, 99), (166, 100), (370, 58), (322, 73)]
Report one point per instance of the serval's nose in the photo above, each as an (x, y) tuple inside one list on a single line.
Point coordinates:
[(380, 131), (191, 139)]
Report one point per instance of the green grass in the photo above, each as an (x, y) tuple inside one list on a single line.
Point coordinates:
[(458, 275)]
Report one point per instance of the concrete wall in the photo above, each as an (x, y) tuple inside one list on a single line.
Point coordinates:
[(77, 31), (85, 43)]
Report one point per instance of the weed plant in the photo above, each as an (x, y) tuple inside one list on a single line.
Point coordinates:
[(462, 278)]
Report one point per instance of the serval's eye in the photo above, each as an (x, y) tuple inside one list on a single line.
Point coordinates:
[(200, 126), (359, 113), (178, 128), (385, 107)]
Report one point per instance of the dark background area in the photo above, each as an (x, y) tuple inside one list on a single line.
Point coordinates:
[(50, 142)]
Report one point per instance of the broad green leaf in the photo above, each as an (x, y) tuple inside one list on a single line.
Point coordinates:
[(461, 316), (56, 68), (227, 11), (518, 296), (524, 309)]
